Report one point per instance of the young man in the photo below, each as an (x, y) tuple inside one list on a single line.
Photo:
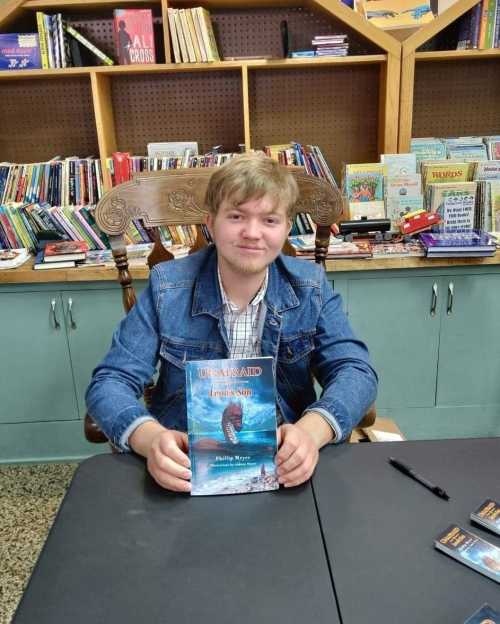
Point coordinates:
[(238, 298)]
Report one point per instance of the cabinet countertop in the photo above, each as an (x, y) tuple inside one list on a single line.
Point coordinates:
[(26, 275)]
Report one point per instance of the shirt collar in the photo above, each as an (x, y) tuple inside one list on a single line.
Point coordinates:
[(259, 296)]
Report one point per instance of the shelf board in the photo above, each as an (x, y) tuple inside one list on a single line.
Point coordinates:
[(93, 4), (193, 67), (457, 54)]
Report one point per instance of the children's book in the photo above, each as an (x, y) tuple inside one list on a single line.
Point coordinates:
[(400, 164), (484, 615), (364, 187), (488, 515), (470, 550), (231, 415)]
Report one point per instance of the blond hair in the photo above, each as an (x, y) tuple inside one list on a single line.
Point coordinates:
[(251, 176)]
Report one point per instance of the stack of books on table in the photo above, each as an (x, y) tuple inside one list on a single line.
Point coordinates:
[(475, 243), (338, 248), (330, 45), (61, 255)]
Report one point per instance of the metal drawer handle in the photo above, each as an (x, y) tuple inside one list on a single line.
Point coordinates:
[(449, 308), (434, 299), (57, 325), (70, 312)]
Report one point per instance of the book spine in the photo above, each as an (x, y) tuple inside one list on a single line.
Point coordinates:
[(90, 46), (483, 25), (490, 29), (496, 36), (42, 39), (173, 36), (199, 35), (50, 44), (187, 36), (208, 34), (476, 19), (192, 34)]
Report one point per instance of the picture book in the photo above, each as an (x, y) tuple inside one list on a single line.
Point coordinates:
[(437, 173), (397, 207), (428, 149), (454, 203), (65, 250), (134, 36), (470, 550), (231, 415), (403, 185), (19, 51), (488, 515), (451, 241), (364, 187), (487, 170), (389, 14), (400, 164), (484, 615)]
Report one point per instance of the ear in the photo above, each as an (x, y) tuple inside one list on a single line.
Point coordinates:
[(209, 221)]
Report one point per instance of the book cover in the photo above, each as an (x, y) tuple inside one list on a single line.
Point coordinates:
[(368, 209), (485, 615), (88, 44), (451, 241), (445, 172), (19, 51), (231, 414), (471, 550), (65, 250), (41, 265), (364, 187), (428, 149), (387, 14), (455, 203), (488, 515), (403, 185), (134, 36), (400, 164), (397, 207)]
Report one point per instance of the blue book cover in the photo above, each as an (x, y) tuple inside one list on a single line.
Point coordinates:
[(450, 241), (471, 550), (231, 416), (19, 51), (484, 615)]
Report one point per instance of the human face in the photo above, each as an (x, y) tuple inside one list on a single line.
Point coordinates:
[(249, 236)]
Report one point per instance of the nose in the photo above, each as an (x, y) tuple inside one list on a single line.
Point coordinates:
[(251, 229)]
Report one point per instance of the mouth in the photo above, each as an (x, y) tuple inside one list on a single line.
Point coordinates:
[(250, 249)]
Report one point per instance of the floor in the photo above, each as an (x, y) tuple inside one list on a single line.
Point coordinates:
[(30, 496)]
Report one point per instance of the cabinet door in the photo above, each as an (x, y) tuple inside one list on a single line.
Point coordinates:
[(394, 317), (469, 351), (36, 382), (91, 317)]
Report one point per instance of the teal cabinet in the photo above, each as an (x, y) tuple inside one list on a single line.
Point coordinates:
[(91, 317), (469, 348), (36, 381), (399, 319)]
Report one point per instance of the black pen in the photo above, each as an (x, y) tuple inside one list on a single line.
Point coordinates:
[(407, 470)]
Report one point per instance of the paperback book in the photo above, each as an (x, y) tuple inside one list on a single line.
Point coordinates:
[(19, 51), (134, 36), (488, 515), (231, 417), (471, 550)]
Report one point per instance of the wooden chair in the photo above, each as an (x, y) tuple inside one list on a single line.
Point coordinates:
[(177, 197)]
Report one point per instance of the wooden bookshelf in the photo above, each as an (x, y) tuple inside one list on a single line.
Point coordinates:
[(447, 92), (348, 106)]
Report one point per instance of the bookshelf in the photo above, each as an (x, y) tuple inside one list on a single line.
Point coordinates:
[(348, 106), (447, 92)]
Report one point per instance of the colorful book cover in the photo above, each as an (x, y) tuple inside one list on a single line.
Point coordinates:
[(454, 203), (445, 172), (403, 185), (485, 615), (364, 187), (134, 36), (398, 207), (366, 209), (487, 170), (470, 550), (488, 515), (19, 51), (451, 241), (231, 414), (387, 14), (428, 149)]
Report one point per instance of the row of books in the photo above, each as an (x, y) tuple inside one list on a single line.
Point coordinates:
[(72, 181), (192, 35), (461, 148), (308, 156), (479, 28), (324, 45)]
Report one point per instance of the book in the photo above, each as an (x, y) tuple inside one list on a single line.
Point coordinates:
[(19, 51), (488, 515), (366, 209), (454, 202), (364, 187), (12, 258), (400, 164), (171, 149), (436, 242), (231, 415), (134, 36), (207, 32), (484, 615), (397, 207), (40, 264), (60, 251), (88, 44), (471, 550)]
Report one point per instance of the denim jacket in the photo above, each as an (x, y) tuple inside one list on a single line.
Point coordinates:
[(179, 317)]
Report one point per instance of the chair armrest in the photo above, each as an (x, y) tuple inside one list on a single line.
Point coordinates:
[(92, 431)]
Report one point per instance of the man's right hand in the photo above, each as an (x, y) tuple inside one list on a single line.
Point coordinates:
[(166, 453)]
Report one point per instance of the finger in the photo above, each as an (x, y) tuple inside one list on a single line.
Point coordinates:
[(287, 449), (299, 475), (168, 465), (171, 483), (293, 461), (183, 441), (169, 446)]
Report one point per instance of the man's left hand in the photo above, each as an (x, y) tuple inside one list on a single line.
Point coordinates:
[(297, 455)]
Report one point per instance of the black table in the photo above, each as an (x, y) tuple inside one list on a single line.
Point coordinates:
[(379, 527), (124, 550)]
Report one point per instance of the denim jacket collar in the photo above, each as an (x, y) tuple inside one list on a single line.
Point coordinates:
[(280, 295)]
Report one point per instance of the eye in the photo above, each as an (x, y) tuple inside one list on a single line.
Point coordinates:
[(272, 220), (234, 216)]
